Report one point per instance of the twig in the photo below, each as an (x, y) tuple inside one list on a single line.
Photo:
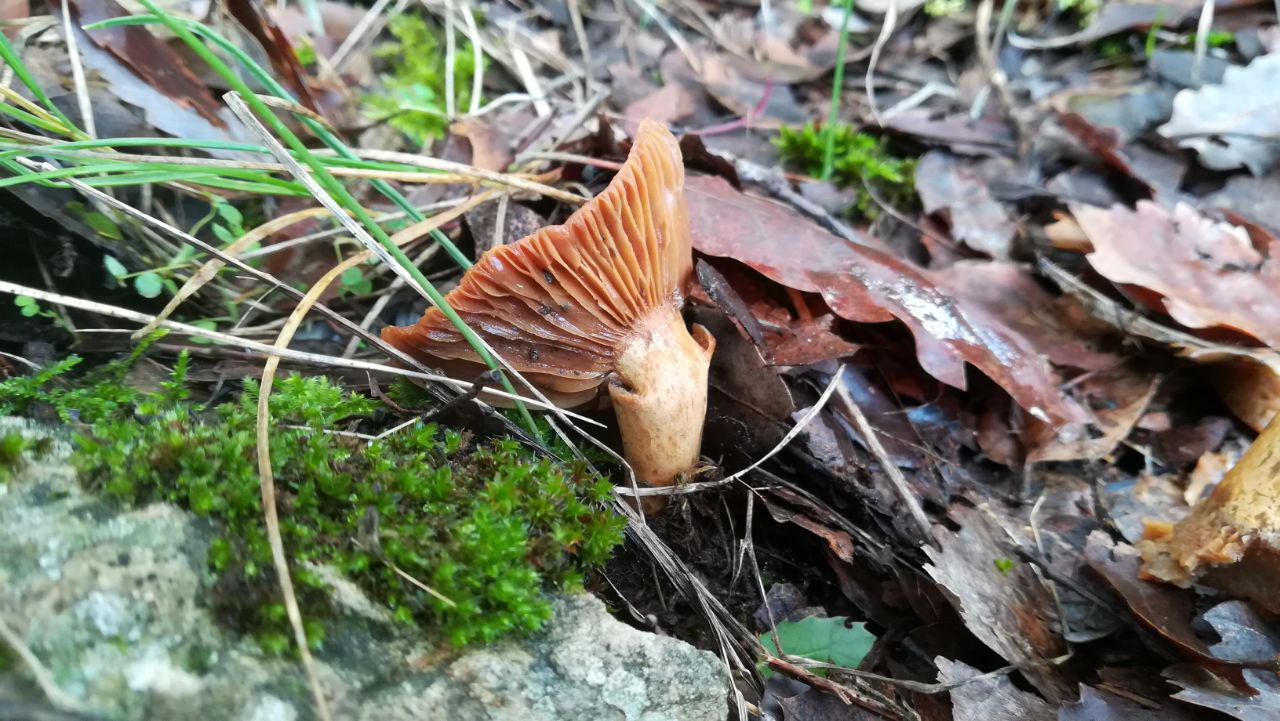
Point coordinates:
[(891, 469), (579, 31), (1203, 26), (370, 24), (450, 60), (800, 425), (265, 349), (43, 678), (241, 265), (886, 31), (77, 73)]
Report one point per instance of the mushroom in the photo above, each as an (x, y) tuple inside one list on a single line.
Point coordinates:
[(596, 300), (1231, 539)]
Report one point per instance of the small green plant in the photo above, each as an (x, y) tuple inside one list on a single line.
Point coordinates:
[(486, 527), (147, 283), (413, 101), (1086, 10), (944, 8), (1213, 38), (858, 157), (30, 307), (12, 445)]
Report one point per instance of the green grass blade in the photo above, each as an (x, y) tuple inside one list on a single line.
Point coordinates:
[(10, 57), (275, 88), (337, 190)]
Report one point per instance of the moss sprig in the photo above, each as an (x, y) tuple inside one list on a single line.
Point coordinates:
[(488, 527)]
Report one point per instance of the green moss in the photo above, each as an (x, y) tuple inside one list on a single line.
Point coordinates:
[(12, 445), (413, 99), (487, 527), (859, 158)]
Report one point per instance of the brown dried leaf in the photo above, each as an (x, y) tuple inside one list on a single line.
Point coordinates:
[(991, 699), (148, 58), (1203, 688), (866, 285), (959, 187), (284, 61), (1095, 705), (490, 146), (1210, 274), (1162, 608), (669, 104), (1006, 609)]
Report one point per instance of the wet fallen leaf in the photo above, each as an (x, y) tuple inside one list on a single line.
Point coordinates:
[(990, 699), (1210, 274), (959, 187), (1202, 687), (1160, 607), (1002, 602), (148, 58), (1095, 705), (1246, 635), (866, 285), (1232, 124)]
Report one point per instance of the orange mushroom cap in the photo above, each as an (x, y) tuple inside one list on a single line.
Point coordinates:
[(572, 305), (561, 304)]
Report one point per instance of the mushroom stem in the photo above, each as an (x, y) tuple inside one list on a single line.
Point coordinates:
[(659, 393), (1231, 540)]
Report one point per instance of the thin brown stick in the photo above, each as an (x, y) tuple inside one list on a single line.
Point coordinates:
[(898, 480)]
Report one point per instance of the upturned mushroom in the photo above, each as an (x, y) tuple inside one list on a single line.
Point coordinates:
[(1231, 539), (596, 301)]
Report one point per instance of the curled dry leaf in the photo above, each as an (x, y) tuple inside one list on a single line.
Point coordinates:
[(866, 285), (1250, 389), (1210, 274), (1232, 124)]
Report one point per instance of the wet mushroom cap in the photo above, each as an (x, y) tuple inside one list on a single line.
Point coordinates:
[(563, 304)]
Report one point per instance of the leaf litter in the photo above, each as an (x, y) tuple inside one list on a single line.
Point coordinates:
[(1058, 336)]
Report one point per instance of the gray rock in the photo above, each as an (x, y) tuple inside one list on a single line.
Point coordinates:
[(112, 602)]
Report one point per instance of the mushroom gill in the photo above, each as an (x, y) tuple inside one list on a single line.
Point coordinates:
[(593, 300)]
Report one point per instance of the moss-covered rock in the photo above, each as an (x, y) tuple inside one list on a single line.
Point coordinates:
[(116, 603), (461, 537)]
